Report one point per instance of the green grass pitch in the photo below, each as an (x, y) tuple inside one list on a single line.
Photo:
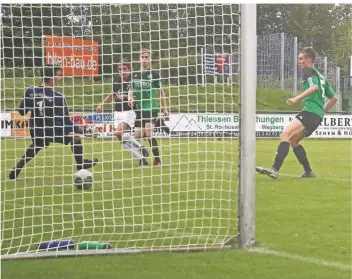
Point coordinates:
[(304, 225)]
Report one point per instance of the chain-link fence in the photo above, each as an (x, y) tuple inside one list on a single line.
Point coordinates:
[(278, 68), (346, 94)]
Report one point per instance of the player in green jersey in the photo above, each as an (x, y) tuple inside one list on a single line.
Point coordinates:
[(315, 89), (145, 86)]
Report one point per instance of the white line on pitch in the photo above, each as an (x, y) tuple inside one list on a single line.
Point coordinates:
[(301, 258), (336, 179)]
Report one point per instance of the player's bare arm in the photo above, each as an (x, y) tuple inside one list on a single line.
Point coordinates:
[(108, 99), (311, 90), (164, 102), (330, 104), (332, 99), (130, 97)]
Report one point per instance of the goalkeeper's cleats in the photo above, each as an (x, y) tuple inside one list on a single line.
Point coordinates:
[(271, 172), (157, 162), (87, 164), (14, 173), (308, 175), (143, 162)]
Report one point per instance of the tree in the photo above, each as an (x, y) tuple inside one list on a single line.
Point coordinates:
[(342, 44), (324, 27), (25, 25)]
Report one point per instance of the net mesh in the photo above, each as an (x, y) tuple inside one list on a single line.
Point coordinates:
[(188, 201)]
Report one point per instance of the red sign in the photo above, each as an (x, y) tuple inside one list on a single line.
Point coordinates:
[(76, 57)]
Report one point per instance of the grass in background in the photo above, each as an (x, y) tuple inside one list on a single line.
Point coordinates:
[(308, 218), (84, 95)]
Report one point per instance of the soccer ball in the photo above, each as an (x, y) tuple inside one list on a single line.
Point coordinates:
[(83, 179)]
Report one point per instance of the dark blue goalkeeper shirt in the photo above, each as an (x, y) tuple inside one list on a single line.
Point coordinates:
[(49, 111)]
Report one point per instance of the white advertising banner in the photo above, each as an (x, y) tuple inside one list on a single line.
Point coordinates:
[(6, 124), (267, 125), (206, 125)]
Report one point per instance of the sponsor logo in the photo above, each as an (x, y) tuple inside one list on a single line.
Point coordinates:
[(197, 125), (188, 124)]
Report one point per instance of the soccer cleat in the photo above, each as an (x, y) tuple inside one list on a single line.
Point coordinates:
[(143, 162), (271, 172), (14, 173), (87, 164), (145, 152), (157, 162), (308, 175)]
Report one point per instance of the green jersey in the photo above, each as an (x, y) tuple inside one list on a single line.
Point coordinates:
[(315, 102), (145, 83)]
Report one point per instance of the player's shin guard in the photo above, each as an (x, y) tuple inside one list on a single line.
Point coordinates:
[(132, 140), (77, 150), (127, 144), (281, 154), (302, 158), (154, 145)]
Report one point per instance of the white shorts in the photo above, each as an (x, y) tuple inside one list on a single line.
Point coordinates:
[(128, 117)]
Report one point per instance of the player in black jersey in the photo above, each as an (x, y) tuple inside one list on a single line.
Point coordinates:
[(49, 121), (124, 115)]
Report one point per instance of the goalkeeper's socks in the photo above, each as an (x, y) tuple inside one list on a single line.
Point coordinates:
[(281, 154), (302, 158), (77, 150), (29, 155), (154, 145)]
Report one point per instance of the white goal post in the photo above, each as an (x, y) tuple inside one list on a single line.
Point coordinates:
[(201, 197)]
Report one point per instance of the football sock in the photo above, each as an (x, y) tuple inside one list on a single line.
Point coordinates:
[(132, 140), (28, 155), (161, 124), (302, 157), (154, 145), (129, 147), (77, 150), (281, 154)]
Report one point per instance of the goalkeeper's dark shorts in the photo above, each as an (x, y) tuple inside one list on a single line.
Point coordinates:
[(310, 121), (145, 116), (42, 137)]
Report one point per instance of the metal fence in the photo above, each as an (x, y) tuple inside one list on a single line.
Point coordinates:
[(278, 68)]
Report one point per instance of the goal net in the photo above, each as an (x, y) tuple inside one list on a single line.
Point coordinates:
[(188, 202)]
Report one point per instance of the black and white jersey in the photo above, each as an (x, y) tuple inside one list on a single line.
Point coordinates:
[(121, 88)]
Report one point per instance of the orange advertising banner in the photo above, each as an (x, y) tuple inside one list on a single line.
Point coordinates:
[(76, 57), (20, 125)]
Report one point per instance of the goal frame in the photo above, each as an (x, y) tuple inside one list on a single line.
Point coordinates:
[(246, 167)]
